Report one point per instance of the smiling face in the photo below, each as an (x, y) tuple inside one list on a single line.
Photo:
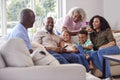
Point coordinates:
[(76, 17), (96, 23), (82, 38), (49, 24), (66, 36)]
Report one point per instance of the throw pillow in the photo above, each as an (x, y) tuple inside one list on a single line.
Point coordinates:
[(41, 57), (16, 54)]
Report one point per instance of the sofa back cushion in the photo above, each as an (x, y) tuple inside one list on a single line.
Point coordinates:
[(2, 41), (117, 38), (15, 53), (2, 63)]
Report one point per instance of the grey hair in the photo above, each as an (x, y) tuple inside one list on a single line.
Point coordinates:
[(80, 11)]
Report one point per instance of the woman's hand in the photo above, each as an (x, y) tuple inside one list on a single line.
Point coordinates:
[(89, 29)]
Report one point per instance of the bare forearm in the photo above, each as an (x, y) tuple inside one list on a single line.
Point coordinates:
[(70, 51), (112, 43), (88, 47), (55, 49)]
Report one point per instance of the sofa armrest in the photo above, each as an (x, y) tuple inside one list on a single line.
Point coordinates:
[(59, 72)]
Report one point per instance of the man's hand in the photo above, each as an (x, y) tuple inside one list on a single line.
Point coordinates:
[(30, 50), (56, 49)]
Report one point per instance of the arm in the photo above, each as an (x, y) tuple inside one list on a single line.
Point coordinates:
[(26, 40), (74, 51), (110, 38), (89, 47), (67, 24), (112, 43), (72, 33), (55, 49), (68, 51)]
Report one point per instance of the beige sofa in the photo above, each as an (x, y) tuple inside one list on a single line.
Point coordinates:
[(17, 64), (114, 66), (61, 72)]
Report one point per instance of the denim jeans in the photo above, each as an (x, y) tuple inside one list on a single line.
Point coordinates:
[(82, 57), (59, 57), (72, 57), (97, 58)]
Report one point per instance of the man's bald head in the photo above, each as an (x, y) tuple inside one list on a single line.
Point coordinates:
[(27, 17)]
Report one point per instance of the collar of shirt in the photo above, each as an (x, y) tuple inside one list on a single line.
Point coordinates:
[(21, 27), (48, 32)]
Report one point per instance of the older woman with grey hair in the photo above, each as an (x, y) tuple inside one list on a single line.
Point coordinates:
[(75, 20)]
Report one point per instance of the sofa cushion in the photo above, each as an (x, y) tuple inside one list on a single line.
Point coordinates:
[(15, 53), (41, 57), (113, 63), (2, 64), (117, 38)]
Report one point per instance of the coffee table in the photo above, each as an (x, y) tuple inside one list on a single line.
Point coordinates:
[(115, 57)]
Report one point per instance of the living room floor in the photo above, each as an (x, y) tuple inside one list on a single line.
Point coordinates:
[(116, 78)]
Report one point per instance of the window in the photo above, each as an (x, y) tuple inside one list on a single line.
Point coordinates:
[(0, 20), (44, 8), (11, 8)]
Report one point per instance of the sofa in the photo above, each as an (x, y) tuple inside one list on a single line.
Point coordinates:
[(17, 64)]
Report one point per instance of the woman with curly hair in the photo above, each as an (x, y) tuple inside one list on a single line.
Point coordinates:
[(103, 42), (74, 20)]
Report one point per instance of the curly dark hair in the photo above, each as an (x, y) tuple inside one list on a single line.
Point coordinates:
[(103, 23)]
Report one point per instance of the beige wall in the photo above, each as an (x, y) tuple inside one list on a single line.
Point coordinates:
[(112, 13)]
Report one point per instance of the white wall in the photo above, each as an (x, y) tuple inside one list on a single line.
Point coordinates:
[(91, 7), (112, 13), (107, 8)]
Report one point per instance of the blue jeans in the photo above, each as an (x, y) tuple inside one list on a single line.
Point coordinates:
[(97, 58), (59, 57), (72, 57), (82, 57)]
